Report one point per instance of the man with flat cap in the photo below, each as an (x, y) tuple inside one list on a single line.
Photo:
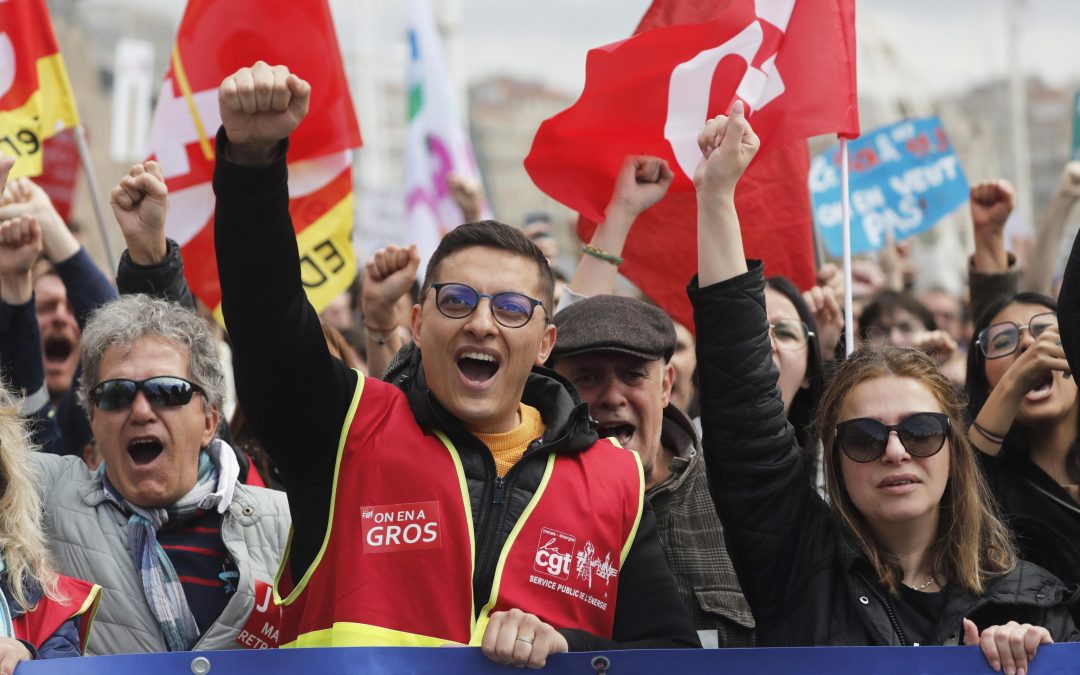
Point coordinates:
[(617, 351)]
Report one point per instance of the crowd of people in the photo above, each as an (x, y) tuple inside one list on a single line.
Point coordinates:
[(499, 456)]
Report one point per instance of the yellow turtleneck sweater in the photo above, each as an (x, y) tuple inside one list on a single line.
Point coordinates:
[(509, 446)]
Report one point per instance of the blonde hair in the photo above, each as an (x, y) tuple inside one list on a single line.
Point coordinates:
[(971, 544), (22, 539)]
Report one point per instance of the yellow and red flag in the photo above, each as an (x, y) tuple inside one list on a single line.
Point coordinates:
[(215, 39), (35, 95)]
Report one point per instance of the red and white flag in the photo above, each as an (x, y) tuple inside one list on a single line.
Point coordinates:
[(214, 40), (792, 62)]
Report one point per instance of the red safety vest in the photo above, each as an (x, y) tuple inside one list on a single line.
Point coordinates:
[(396, 565), (78, 598)]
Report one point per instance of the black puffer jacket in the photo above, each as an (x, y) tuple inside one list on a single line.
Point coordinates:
[(297, 396), (806, 584)]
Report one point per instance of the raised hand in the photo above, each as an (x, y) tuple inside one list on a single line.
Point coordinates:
[(991, 204), (6, 164), (642, 181), (828, 316), (24, 197), (140, 204), (728, 144), (20, 247), (468, 194), (388, 275), (260, 106)]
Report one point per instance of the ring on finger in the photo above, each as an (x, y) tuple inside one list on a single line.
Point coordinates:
[(526, 639)]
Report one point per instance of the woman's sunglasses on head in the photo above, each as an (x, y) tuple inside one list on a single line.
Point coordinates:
[(864, 439), (161, 392)]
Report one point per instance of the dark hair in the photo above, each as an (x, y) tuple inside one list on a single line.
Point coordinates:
[(804, 405), (978, 387), (493, 234), (886, 303)]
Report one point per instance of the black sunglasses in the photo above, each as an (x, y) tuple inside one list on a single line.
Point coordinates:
[(510, 309), (164, 391), (864, 439)]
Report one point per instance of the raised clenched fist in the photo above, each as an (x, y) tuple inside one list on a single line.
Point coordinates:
[(260, 106)]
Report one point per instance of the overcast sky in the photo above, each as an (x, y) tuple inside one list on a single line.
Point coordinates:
[(926, 45)]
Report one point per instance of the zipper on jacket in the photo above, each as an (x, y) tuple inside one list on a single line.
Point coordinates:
[(889, 610), (500, 485)]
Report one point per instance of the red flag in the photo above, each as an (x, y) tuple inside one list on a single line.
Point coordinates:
[(35, 95), (793, 65), (214, 40)]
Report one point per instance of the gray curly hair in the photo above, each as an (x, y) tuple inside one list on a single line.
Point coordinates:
[(123, 322)]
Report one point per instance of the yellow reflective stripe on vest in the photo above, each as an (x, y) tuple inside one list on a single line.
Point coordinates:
[(482, 622), (640, 507), (467, 503), (299, 587), (345, 634)]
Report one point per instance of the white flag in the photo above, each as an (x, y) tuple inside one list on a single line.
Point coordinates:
[(436, 143)]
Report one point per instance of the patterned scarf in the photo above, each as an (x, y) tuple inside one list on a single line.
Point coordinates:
[(7, 626), (218, 471)]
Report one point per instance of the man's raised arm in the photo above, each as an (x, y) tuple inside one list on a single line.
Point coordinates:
[(291, 389)]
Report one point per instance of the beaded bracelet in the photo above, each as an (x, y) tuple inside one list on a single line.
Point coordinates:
[(597, 252)]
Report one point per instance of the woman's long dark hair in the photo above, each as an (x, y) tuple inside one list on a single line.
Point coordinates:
[(978, 387), (804, 405)]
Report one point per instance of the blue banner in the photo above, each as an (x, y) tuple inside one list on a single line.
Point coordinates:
[(1050, 660), (904, 178)]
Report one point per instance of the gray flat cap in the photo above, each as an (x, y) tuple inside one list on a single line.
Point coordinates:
[(612, 323)]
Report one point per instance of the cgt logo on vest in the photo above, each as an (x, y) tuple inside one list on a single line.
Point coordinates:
[(400, 527), (554, 553)]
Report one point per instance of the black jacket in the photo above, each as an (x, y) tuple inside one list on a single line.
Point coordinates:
[(805, 581), (296, 397)]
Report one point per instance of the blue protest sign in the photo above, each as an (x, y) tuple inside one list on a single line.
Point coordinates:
[(904, 178), (1051, 659)]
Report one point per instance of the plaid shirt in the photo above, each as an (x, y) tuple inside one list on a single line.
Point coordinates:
[(693, 541)]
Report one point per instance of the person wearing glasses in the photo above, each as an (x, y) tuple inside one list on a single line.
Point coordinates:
[(186, 552), (1024, 405), (907, 550), (466, 499)]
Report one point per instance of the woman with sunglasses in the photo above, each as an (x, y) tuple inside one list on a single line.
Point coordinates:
[(1025, 411), (906, 551)]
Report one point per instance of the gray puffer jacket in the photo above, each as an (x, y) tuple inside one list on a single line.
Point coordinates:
[(88, 537)]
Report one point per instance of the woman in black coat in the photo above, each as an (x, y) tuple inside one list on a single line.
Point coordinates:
[(908, 550)]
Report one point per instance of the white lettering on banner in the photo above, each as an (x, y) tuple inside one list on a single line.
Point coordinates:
[(876, 224), (829, 215), (690, 86), (823, 176), (903, 132), (922, 178), (887, 152), (867, 200)]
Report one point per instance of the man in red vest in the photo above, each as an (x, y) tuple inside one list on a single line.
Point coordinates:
[(465, 501)]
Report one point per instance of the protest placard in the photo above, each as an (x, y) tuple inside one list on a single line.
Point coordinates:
[(904, 178)]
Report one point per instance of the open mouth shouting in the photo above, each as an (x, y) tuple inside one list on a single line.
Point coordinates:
[(477, 367), (621, 431), (1042, 390), (57, 349), (143, 450)]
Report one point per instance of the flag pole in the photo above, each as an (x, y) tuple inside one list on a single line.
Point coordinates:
[(95, 196), (849, 320)]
